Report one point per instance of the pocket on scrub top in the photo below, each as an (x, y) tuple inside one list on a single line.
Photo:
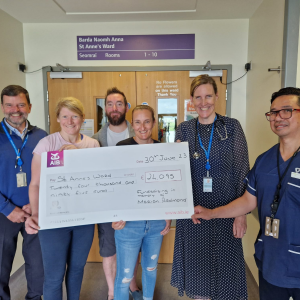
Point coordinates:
[(293, 261), (294, 190), (259, 249)]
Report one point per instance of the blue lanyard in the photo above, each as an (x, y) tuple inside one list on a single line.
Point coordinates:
[(19, 161), (207, 152)]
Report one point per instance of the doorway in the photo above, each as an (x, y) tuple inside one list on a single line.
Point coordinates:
[(101, 116), (139, 87), (167, 109)]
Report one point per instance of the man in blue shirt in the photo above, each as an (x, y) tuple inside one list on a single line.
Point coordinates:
[(18, 138), (273, 185)]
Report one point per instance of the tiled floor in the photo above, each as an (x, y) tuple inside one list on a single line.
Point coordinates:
[(94, 285)]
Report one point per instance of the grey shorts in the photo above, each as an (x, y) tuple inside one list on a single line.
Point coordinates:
[(106, 239)]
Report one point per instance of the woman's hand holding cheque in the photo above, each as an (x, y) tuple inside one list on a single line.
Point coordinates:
[(31, 225), (118, 225)]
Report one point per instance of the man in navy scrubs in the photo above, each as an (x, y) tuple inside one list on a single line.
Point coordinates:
[(273, 185)]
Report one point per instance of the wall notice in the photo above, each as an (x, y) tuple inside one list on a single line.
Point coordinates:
[(136, 47), (165, 88), (87, 127), (189, 110)]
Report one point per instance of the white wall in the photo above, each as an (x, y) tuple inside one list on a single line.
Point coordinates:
[(11, 52), (221, 41), (265, 51)]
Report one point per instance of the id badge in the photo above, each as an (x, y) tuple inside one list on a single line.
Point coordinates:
[(21, 179), (272, 230), (295, 175), (207, 184)]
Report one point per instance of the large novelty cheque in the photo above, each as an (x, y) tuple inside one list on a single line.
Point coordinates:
[(87, 186)]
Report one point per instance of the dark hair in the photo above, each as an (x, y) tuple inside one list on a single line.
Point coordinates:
[(146, 107), (202, 79), (286, 91), (14, 90), (115, 90)]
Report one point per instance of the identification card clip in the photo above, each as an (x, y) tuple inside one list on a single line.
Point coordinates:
[(272, 228), (21, 179), (207, 185)]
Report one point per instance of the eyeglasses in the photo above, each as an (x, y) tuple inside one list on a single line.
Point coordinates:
[(118, 104), (283, 113)]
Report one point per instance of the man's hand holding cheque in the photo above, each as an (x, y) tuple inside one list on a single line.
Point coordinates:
[(202, 213), (238, 207)]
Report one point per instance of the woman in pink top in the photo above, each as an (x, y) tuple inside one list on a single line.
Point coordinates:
[(63, 247)]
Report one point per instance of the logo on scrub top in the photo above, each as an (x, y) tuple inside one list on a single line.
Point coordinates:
[(297, 170), (55, 159)]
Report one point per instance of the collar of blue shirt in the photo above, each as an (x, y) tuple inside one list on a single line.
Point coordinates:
[(16, 131)]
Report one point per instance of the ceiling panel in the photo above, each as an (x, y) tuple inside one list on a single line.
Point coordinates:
[(47, 11), (92, 6)]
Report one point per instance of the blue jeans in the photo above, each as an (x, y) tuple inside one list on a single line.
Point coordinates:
[(136, 236), (65, 247)]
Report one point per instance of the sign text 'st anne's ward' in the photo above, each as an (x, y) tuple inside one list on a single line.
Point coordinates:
[(136, 47)]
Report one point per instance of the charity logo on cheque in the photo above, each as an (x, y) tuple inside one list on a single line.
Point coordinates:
[(55, 159)]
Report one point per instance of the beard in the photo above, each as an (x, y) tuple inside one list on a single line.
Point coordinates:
[(10, 120), (116, 120)]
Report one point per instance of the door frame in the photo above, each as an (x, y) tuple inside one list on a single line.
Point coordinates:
[(134, 69)]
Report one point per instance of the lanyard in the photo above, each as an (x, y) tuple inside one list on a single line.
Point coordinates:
[(207, 152), (276, 201), (18, 152)]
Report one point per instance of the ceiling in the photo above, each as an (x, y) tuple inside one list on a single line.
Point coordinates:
[(87, 11)]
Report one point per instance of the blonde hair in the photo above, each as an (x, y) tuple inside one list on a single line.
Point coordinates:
[(202, 79), (146, 107), (70, 103)]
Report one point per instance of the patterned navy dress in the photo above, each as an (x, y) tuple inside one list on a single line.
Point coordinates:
[(208, 260)]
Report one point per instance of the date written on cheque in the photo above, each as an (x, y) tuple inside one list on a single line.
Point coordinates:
[(161, 158), (160, 176)]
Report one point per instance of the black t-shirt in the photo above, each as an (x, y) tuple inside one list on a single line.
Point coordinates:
[(131, 141)]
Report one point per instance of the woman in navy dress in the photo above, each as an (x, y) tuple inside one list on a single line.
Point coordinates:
[(208, 257)]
